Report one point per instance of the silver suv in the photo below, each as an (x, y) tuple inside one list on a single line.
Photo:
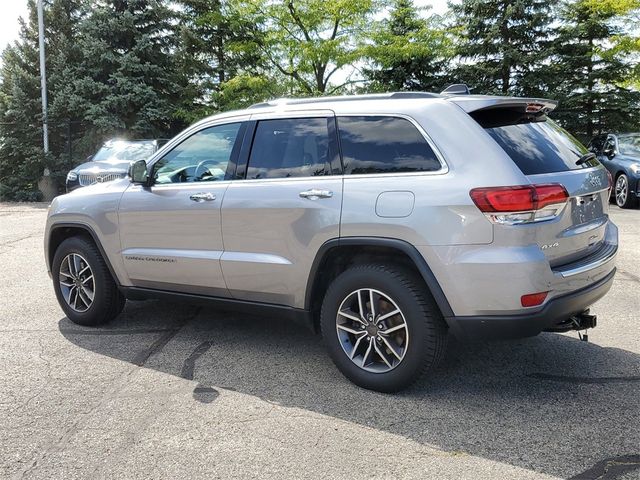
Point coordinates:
[(387, 222)]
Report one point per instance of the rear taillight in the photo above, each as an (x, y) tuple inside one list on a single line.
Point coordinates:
[(610, 178), (521, 204)]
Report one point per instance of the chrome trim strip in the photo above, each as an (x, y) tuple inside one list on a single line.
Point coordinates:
[(606, 254)]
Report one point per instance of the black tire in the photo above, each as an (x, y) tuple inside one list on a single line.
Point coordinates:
[(426, 327), (107, 303), (630, 201)]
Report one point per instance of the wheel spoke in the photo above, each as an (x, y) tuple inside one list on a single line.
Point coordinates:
[(90, 277), (366, 354), (71, 270), (68, 285), (84, 297), (394, 329), (372, 306), (71, 289), (350, 316), (349, 330), (83, 270), (75, 299), (362, 312), (388, 315), (357, 344), (382, 355), (390, 347), (68, 275), (77, 263)]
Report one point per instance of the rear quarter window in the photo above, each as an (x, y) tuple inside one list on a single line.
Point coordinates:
[(379, 144), (540, 147)]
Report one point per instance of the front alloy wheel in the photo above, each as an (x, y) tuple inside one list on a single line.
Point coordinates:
[(372, 330), (624, 198), (76, 282)]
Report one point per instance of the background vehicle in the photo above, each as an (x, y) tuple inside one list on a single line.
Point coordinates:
[(111, 162), (621, 155), (386, 221)]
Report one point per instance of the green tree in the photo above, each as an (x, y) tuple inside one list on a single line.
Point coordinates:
[(408, 52), (309, 41), (127, 82), (220, 53), (593, 71), (502, 44), (21, 156)]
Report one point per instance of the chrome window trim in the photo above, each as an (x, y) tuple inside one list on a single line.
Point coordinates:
[(322, 113)]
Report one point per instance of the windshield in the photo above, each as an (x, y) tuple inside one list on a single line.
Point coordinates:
[(629, 145), (541, 147), (125, 151)]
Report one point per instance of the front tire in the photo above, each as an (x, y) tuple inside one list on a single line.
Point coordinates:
[(83, 284), (623, 197), (387, 347)]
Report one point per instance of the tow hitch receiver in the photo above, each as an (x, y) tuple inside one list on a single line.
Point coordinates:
[(580, 321)]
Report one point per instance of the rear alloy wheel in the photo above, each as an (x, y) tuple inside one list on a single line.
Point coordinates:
[(381, 327), (375, 339), (624, 198)]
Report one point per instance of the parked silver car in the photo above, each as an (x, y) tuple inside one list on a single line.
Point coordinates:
[(111, 162), (385, 221)]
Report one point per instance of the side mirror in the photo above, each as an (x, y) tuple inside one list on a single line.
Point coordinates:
[(138, 173), (609, 152)]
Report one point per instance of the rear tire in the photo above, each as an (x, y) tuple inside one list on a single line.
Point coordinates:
[(622, 195), (83, 284), (358, 343)]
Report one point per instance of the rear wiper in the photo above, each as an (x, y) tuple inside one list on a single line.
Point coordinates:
[(586, 157)]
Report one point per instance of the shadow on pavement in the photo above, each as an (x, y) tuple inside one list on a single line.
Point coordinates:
[(551, 403)]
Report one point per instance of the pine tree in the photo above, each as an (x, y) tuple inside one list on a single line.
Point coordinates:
[(21, 155), (502, 43), (408, 52), (590, 72), (127, 82)]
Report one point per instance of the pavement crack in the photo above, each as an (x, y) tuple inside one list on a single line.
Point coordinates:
[(189, 363), (610, 468), (629, 276)]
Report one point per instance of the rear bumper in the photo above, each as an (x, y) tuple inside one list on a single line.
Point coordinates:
[(554, 312)]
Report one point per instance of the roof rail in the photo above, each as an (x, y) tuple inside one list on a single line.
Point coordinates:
[(345, 98), (456, 89)]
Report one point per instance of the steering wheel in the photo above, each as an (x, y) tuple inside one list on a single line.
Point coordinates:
[(202, 168)]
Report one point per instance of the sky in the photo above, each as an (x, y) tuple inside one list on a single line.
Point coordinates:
[(13, 9)]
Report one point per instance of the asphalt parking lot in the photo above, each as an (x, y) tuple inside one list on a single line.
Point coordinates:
[(176, 391)]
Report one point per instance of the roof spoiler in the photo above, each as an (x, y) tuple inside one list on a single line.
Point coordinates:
[(473, 103)]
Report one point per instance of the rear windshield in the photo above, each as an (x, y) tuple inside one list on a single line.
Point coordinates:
[(541, 147)]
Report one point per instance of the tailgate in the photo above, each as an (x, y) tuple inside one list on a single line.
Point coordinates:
[(546, 153)]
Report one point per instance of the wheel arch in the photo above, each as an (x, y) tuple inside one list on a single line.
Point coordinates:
[(335, 255), (59, 232)]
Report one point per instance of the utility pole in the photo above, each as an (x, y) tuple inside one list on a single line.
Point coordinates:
[(46, 184), (43, 80)]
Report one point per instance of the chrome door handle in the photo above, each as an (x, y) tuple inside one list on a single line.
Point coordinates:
[(314, 194), (202, 197)]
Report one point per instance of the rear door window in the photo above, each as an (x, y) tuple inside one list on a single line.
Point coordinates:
[(378, 144), (293, 147), (541, 147)]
